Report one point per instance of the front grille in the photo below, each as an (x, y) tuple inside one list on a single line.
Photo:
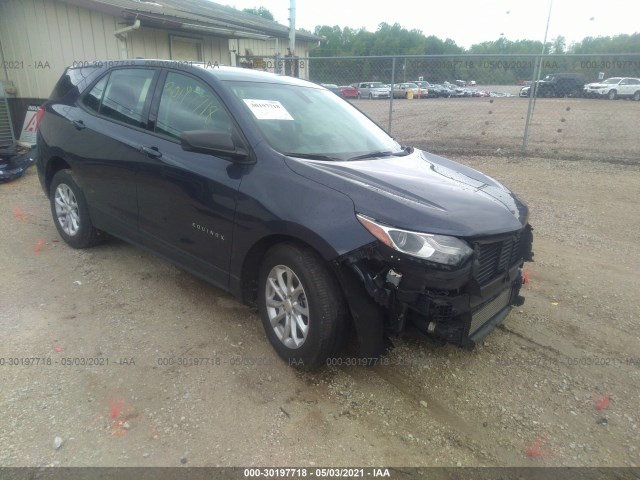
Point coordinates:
[(494, 259), (443, 313), (487, 311)]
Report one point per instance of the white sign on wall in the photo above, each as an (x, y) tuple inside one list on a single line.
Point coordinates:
[(29, 127)]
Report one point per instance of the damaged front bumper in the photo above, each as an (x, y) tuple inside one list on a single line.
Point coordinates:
[(459, 305)]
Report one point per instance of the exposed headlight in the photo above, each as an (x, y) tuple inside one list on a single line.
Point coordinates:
[(435, 248)]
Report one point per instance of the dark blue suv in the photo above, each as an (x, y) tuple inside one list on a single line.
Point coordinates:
[(286, 195)]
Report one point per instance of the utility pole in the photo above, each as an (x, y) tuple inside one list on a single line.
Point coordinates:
[(292, 36)]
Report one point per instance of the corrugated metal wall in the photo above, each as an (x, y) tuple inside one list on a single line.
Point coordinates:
[(40, 38)]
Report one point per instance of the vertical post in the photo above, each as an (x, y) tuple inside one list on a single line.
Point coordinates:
[(292, 37), (276, 66), (393, 79), (534, 83)]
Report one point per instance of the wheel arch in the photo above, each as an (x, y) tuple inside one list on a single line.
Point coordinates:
[(54, 165), (248, 285)]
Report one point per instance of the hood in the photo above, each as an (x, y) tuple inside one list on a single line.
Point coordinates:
[(421, 192)]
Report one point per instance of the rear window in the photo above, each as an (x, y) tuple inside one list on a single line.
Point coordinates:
[(121, 95), (70, 80)]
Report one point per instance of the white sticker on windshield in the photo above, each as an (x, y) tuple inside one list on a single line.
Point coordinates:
[(267, 109)]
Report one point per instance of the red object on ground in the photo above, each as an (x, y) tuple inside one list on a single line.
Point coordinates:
[(536, 450), (19, 213), (116, 405), (601, 403), (57, 349), (525, 277), (39, 245)]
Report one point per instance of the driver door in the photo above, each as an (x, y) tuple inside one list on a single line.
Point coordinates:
[(187, 200)]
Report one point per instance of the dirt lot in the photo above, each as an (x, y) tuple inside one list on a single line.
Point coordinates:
[(557, 385), (565, 128)]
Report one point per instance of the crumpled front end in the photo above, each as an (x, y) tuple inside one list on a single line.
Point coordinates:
[(460, 305)]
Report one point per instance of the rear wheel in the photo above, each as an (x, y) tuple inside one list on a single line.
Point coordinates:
[(301, 306), (70, 211), (613, 95)]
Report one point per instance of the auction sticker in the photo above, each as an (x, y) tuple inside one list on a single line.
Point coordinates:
[(267, 109)]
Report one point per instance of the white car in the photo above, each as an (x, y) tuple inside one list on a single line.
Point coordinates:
[(373, 90), (615, 87)]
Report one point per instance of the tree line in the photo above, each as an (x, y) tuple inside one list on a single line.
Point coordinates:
[(492, 68), (397, 40)]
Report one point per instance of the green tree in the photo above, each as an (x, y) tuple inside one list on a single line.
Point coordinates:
[(260, 12)]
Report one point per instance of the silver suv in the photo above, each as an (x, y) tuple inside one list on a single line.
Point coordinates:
[(373, 90)]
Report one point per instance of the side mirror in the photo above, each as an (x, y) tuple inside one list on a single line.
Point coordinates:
[(213, 142)]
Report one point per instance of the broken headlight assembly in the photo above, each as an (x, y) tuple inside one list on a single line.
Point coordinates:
[(440, 249)]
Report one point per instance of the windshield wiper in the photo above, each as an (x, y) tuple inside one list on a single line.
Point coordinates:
[(384, 153), (311, 156)]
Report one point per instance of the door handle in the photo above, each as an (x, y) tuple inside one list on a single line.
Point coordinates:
[(79, 124), (152, 152)]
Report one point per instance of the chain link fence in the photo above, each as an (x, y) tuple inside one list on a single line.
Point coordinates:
[(554, 106)]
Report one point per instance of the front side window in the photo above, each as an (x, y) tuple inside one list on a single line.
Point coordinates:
[(124, 96), (188, 104)]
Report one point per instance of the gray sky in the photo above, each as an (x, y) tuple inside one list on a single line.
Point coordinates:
[(465, 21)]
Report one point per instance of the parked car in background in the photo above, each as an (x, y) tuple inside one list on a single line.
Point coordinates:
[(425, 89), (455, 90), (440, 90), (293, 200), (373, 90), (332, 87), (405, 90), (348, 91), (560, 85), (613, 88)]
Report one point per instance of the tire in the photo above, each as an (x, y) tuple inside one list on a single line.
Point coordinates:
[(612, 95), (70, 212), (295, 285), (636, 96)]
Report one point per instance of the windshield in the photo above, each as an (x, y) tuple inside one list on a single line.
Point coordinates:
[(311, 123), (610, 81), (378, 85)]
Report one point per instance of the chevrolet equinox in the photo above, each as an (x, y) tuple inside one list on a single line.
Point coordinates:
[(287, 196)]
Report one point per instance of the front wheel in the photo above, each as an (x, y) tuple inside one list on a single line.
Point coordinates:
[(613, 95), (70, 211), (636, 96), (301, 306)]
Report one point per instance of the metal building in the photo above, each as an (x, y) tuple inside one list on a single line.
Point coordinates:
[(39, 38)]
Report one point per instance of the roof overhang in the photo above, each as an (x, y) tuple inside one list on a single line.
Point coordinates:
[(194, 15)]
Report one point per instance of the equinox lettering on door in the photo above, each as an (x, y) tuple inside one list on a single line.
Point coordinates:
[(202, 229)]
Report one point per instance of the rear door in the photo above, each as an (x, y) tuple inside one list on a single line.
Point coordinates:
[(629, 86), (187, 200), (108, 123)]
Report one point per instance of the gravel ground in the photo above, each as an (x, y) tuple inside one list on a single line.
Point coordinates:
[(561, 128), (557, 385)]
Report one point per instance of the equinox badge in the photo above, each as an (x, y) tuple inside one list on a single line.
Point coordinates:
[(202, 229)]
